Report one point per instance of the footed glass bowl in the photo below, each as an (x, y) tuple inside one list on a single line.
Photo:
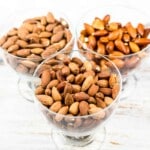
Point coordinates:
[(77, 114), (31, 36)]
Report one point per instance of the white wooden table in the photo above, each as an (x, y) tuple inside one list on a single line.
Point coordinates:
[(23, 128)]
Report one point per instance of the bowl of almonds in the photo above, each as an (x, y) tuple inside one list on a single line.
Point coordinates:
[(76, 93), (31, 36), (123, 38)]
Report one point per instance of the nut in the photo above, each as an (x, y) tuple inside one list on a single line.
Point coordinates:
[(45, 99), (55, 94), (87, 83), (55, 107), (83, 108), (74, 108), (45, 78)]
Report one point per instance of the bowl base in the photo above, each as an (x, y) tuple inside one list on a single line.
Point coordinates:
[(88, 142), (129, 85), (24, 88)]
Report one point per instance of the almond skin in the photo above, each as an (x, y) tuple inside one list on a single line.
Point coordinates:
[(55, 107), (83, 108), (93, 90), (45, 99), (56, 95), (87, 83), (81, 96), (62, 111), (45, 78), (74, 108)]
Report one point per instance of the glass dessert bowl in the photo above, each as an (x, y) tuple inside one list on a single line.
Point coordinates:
[(77, 94), (31, 36), (119, 33)]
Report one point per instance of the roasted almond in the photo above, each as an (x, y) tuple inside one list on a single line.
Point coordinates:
[(87, 83), (83, 108), (45, 78), (55, 107), (55, 94), (45, 99)]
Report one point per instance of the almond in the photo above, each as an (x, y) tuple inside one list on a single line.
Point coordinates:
[(45, 78), (113, 80), (74, 108), (79, 79), (87, 83), (76, 88), (115, 90), (98, 24), (22, 33), (108, 100), (57, 37), (100, 103), (91, 42), (52, 83), (65, 71), (29, 64), (50, 18), (106, 91), (69, 99), (13, 48), (142, 41), (100, 33), (93, 90), (37, 50), (55, 94), (74, 68), (45, 34), (103, 83), (88, 28), (63, 111), (101, 48), (131, 30), (113, 35), (68, 88), (134, 47), (119, 63), (39, 90), (83, 108), (106, 19), (81, 96), (55, 107), (113, 26), (45, 99), (23, 52), (100, 113), (120, 45)]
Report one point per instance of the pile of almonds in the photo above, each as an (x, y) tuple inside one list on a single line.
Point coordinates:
[(115, 40), (75, 88), (36, 39)]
